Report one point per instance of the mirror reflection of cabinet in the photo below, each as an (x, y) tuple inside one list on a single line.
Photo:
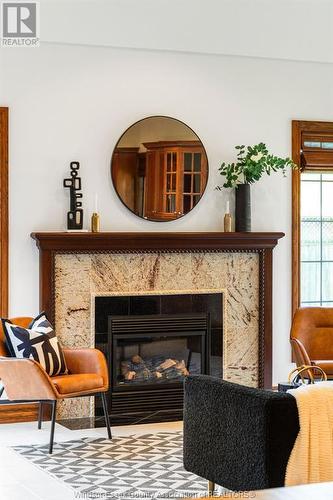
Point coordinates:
[(176, 176), (125, 174), (159, 168)]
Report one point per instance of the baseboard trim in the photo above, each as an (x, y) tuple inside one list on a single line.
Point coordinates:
[(10, 414)]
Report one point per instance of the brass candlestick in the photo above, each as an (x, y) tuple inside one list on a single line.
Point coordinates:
[(227, 223), (95, 226)]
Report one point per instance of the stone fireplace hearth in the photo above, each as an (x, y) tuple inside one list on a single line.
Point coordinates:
[(75, 268)]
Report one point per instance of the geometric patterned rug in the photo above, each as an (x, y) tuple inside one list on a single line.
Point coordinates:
[(145, 466)]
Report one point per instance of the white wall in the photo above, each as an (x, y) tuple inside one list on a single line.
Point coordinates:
[(72, 103), (283, 29)]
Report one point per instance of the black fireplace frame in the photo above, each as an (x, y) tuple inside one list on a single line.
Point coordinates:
[(157, 325), (125, 405), (154, 402)]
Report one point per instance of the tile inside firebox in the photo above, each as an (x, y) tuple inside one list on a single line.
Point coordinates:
[(146, 304), (107, 306), (176, 304), (212, 302)]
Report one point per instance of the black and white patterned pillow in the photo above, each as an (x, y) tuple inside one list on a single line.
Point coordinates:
[(38, 342)]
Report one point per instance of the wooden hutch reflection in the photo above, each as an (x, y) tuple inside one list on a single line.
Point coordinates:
[(164, 181)]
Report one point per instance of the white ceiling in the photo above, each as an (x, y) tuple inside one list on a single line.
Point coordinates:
[(283, 29)]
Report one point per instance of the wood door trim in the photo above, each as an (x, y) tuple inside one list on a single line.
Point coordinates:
[(4, 212), (300, 127), (13, 413), (295, 258)]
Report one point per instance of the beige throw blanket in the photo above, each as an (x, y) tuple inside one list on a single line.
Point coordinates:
[(311, 459)]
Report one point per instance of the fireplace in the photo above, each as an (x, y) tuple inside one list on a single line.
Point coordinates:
[(120, 263), (151, 343)]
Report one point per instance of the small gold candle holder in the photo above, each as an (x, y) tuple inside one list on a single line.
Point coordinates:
[(95, 223), (227, 223)]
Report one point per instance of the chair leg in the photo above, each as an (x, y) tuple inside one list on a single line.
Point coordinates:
[(53, 418), (40, 414), (1, 390), (106, 414), (211, 488)]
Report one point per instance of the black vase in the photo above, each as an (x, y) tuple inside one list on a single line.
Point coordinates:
[(243, 208)]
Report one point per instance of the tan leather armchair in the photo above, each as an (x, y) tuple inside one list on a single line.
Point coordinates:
[(311, 337), (25, 380)]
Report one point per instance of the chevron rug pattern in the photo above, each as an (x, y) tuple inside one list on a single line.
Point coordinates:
[(145, 466)]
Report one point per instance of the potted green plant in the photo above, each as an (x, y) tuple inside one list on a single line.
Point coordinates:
[(252, 162)]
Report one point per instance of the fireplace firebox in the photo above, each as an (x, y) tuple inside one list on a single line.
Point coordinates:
[(151, 343), (158, 350)]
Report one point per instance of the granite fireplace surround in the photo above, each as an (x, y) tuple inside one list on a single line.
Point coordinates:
[(77, 267)]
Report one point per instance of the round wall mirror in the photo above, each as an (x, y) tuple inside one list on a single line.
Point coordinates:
[(159, 168)]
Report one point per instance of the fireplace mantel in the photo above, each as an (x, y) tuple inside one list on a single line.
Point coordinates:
[(153, 241), (51, 244)]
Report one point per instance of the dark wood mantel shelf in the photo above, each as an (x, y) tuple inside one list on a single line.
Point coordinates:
[(50, 244), (121, 241)]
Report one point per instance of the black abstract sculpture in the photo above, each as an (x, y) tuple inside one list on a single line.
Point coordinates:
[(75, 215)]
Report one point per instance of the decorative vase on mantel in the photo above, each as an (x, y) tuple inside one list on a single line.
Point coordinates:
[(243, 208), (251, 163)]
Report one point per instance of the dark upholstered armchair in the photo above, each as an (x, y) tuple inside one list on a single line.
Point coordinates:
[(25, 380), (235, 436)]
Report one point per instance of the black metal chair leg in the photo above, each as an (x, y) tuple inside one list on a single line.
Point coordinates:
[(53, 418), (40, 414), (106, 414), (1, 391)]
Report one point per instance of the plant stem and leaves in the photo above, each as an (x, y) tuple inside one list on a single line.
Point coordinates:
[(252, 162)]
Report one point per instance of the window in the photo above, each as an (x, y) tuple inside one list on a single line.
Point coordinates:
[(316, 239), (312, 214)]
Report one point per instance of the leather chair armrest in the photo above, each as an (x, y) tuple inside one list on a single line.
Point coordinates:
[(301, 355), (81, 360), (25, 379)]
